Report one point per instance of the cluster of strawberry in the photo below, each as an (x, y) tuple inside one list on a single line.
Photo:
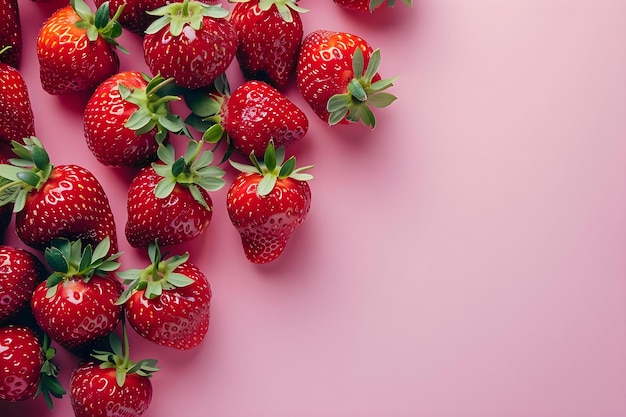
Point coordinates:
[(79, 297)]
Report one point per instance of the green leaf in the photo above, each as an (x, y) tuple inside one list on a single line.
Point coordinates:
[(337, 116), (165, 187), (213, 134), (40, 158), (29, 178), (367, 117), (211, 183), (269, 159), (178, 167), (266, 185), (85, 260), (287, 168), (372, 66), (102, 15), (358, 62), (380, 100), (116, 345), (383, 84), (138, 119), (197, 196), (179, 280), (56, 260)]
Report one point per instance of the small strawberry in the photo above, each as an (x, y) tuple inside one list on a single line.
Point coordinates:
[(10, 32), (337, 76), (369, 5), (16, 113), (20, 273), (168, 302), (169, 200), (51, 201), (126, 119), (76, 304), (269, 35), (267, 202), (26, 367), (76, 48), (191, 42), (110, 384)]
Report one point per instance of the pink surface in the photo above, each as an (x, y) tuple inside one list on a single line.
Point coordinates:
[(466, 258)]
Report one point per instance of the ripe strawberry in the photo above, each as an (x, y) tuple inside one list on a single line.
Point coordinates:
[(126, 119), (76, 49), (20, 272), (76, 304), (168, 302), (337, 76), (10, 32), (169, 200), (191, 42), (26, 367), (269, 34), (16, 113), (369, 5), (50, 201), (111, 384), (267, 202)]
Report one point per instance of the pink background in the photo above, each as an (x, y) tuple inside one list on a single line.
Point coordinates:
[(464, 259)]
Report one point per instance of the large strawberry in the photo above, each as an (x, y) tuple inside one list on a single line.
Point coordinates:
[(26, 367), (168, 302), (76, 48), (337, 76), (169, 200), (267, 202), (52, 201), (76, 304), (269, 34), (20, 273), (126, 119), (191, 42), (368, 5), (10, 32), (16, 113)]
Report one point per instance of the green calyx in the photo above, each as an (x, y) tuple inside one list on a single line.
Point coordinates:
[(99, 24), (284, 7), (354, 105), (272, 168), (179, 14), (193, 171), (152, 108), (30, 170), (159, 276), (49, 385), (70, 260), (390, 3)]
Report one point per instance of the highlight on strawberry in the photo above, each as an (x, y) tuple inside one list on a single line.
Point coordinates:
[(369, 5)]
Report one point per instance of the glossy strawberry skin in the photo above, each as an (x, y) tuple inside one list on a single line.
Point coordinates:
[(257, 113), (267, 45), (196, 57), (21, 359), (16, 113), (68, 60), (171, 220), (10, 32), (266, 223), (179, 317), (78, 312), (324, 67), (71, 204), (94, 392), (106, 112)]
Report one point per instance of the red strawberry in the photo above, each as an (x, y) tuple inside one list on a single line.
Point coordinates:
[(20, 272), (169, 201), (269, 35), (10, 32), (126, 119), (76, 304), (168, 302), (111, 385), (55, 201), (368, 5), (337, 75), (26, 367), (267, 202), (76, 49), (16, 113), (6, 210), (191, 42)]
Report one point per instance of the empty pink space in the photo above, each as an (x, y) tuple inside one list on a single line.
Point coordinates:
[(463, 259)]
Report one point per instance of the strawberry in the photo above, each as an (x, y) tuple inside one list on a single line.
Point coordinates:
[(191, 42), (54, 201), (269, 34), (125, 119), (169, 200), (10, 32), (252, 116), (168, 302), (26, 367), (20, 272), (6, 211), (369, 5), (16, 113), (267, 202), (76, 48), (76, 304), (337, 75), (111, 384)]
